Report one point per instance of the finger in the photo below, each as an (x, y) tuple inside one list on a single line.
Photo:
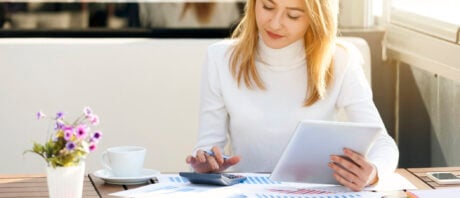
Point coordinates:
[(232, 160), (345, 164), (200, 155), (217, 155), (190, 159), (345, 174), (212, 163), (356, 157), (201, 167), (347, 183), (367, 170)]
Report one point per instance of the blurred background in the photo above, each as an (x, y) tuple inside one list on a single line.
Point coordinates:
[(138, 64), (141, 15)]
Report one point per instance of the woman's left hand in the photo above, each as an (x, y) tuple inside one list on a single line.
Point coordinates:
[(353, 170)]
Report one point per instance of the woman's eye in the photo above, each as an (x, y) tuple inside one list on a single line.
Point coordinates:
[(293, 17), (268, 7)]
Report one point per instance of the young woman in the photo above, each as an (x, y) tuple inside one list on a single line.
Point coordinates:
[(285, 64)]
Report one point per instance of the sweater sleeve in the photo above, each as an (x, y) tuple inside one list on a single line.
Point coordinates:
[(356, 98), (213, 116)]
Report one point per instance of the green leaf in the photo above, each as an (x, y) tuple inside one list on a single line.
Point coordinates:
[(53, 161), (38, 148), (68, 160), (80, 153)]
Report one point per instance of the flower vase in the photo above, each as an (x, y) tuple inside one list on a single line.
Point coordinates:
[(66, 181)]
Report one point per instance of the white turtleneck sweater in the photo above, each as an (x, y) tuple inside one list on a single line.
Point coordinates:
[(260, 123)]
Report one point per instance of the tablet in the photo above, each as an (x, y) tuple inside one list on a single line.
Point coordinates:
[(305, 158)]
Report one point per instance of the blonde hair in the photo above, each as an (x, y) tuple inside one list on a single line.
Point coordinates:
[(203, 11), (320, 41)]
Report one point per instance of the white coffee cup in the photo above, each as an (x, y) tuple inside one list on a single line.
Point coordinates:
[(124, 161)]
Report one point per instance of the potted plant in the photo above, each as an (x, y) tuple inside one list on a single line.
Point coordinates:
[(65, 151)]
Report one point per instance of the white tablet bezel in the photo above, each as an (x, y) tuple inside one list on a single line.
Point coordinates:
[(305, 158)]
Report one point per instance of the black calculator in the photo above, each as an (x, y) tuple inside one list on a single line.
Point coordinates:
[(221, 179)]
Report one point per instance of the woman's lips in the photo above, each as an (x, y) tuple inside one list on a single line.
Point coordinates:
[(273, 35)]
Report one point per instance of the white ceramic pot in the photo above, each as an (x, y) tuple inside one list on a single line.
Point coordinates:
[(65, 181)]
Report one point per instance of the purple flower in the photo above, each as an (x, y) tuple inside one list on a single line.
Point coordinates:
[(71, 140), (87, 111), (40, 115), (59, 125), (94, 119), (68, 132), (92, 146), (59, 115), (70, 146), (96, 136), (82, 131)]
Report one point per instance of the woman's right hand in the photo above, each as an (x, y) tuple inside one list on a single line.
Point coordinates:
[(205, 163)]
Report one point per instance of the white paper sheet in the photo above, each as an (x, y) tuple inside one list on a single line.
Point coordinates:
[(393, 182), (257, 185), (446, 192), (176, 190)]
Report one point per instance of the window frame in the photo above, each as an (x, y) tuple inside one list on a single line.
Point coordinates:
[(423, 41)]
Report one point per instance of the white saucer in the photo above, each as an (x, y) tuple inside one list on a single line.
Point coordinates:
[(108, 177)]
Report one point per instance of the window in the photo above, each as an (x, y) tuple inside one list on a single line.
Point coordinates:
[(437, 18), (445, 10), (426, 34)]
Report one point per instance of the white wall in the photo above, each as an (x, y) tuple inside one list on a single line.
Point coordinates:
[(146, 92)]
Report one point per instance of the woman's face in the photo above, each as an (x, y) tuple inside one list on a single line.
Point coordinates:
[(281, 22)]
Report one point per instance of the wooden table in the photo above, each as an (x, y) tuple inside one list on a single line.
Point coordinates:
[(417, 182), (35, 186), (420, 173), (104, 189)]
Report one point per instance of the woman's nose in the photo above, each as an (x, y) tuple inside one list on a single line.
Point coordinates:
[(276, 21)]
